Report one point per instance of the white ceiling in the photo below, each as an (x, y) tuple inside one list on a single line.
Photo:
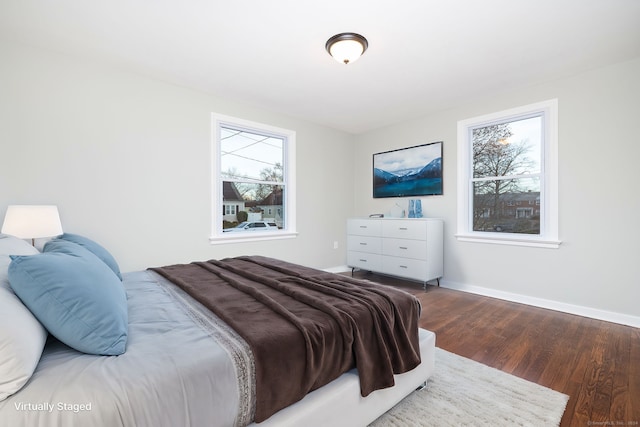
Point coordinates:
[(424, 55)]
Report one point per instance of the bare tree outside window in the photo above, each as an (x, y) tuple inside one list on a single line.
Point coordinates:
[(506, 176), (273, 174)]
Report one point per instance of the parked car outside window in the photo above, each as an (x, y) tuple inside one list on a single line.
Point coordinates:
[(253, 226)]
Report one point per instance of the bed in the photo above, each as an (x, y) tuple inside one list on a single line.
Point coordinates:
[(184, 365)]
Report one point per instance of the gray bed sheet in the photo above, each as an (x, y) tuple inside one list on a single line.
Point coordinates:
[(182, 367)]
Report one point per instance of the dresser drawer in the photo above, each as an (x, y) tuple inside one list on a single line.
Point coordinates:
[(364, 244), (405, 248), (405, 229), (364, 261), (364, 227), (405, 267)]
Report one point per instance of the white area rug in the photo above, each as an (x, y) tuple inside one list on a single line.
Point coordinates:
[(463, 392)]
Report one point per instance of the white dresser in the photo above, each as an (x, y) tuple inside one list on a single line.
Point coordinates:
[(408, 248)]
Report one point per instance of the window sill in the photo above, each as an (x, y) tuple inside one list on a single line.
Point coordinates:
[(252, 237), (501, 239)]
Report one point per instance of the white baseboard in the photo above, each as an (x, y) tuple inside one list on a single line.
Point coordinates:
[(609, 316), (593, 313), (339, 269)]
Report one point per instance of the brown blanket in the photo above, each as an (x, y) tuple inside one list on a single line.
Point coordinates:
[(306, 327)]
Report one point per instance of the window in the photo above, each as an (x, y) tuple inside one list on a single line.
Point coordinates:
[(508, 160), (253, 177)]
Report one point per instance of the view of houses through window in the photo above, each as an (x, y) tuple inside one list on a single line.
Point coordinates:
[(506, 176), (253, 186)]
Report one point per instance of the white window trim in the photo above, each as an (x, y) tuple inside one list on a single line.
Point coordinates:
[(548, 237), (289, 231)]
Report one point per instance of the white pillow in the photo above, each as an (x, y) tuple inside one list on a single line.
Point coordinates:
[(11, 245), (22, 337)]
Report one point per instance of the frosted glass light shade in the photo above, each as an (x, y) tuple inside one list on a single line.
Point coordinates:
[(32, 221), (346, 47)]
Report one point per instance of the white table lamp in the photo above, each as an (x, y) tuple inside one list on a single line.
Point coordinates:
[(32, 221)]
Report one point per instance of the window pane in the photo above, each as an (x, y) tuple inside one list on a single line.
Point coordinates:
[(260, 202), (507, 149), (507, 205), (250, 156)]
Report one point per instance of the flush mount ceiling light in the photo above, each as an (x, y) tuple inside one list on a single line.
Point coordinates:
[(346, 47)]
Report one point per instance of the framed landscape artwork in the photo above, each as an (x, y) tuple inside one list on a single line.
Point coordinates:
[(408, 172)]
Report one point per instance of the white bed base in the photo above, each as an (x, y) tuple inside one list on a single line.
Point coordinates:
[(339, 403)]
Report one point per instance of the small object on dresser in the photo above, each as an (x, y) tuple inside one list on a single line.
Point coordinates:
[(396, 211), (376, 215), (415, 208)]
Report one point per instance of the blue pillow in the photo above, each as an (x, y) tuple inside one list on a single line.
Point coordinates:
[(94, 248), (75, 296)]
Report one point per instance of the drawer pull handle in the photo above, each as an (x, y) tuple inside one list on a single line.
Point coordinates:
[(403, 266), (403, 228), (403, 247), (363, 260), (363, 226), (363, 244)]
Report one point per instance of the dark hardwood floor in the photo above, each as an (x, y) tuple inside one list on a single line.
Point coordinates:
[(596, 363)]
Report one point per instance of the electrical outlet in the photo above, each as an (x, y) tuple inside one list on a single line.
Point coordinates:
[(335, 245)]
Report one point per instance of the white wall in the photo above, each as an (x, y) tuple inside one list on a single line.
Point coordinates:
[(127, 161), (596, 271)]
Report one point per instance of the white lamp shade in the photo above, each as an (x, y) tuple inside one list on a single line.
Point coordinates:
[(346, 51), (32, 221)]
